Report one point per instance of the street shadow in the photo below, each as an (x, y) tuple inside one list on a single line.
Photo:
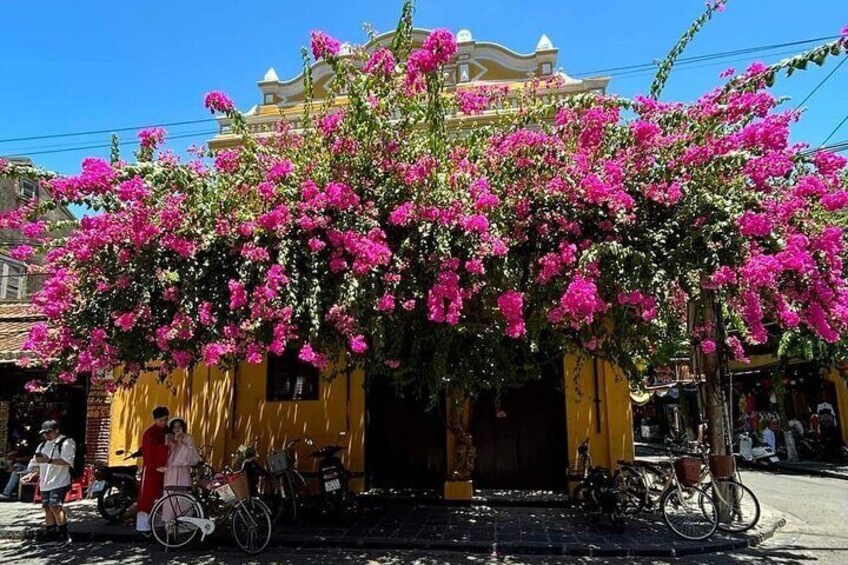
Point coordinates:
[(144, 554)]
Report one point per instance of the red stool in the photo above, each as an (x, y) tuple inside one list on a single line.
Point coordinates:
[(75, 493)]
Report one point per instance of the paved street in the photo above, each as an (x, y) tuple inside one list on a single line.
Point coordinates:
[(814, 507)]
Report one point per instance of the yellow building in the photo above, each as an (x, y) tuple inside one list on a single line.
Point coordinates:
[(524, 438)]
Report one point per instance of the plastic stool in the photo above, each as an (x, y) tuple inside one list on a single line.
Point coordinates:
[(75, 493)]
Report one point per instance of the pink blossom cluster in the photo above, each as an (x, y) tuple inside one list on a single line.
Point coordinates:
[(324, 46), (151, 138)]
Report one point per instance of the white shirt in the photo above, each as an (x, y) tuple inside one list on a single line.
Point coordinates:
[(769, 438), (50, 476)]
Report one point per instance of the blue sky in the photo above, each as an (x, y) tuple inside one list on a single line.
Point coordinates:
[(78, 66)]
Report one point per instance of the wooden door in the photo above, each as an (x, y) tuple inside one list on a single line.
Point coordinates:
[(521, 442), (404, 440)]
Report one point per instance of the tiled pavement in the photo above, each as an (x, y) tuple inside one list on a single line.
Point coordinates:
[(479, 529)]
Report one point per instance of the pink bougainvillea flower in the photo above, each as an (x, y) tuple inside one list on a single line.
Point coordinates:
[(511, 305), (358, 344), (381, 62), (125, 321), (21, 252), (441, 44), (324, 46), (151, 138), (217, 101)]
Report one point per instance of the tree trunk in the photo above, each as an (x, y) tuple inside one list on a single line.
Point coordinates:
[(711, 366), (708, 314), (465, 454)]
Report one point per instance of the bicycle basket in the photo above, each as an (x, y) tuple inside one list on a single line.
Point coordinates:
[(278, 461), (688, 470), (238, 483), (722, 466), (224, 491)]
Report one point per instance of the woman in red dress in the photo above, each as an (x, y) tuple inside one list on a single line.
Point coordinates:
[(154, 451)]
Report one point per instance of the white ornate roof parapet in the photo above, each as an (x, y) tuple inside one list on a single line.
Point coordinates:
[(464, 36), (475, 63), (544, 44)]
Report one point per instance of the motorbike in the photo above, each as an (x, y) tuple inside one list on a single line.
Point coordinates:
[(116, 487), (755, 451), (334, 498), (599, 494)]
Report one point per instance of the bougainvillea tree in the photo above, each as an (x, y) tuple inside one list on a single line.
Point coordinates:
[(450, 254)]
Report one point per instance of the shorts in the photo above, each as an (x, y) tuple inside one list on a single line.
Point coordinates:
[(55, 497)]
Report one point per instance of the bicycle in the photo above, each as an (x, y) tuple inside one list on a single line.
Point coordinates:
[(287, 487), (202, 470), (598, 492), (675, 491), (739, 509), (179, 517), (290, 492)]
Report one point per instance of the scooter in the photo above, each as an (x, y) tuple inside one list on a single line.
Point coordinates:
[(333, 478), (116, 488), (754, 451)]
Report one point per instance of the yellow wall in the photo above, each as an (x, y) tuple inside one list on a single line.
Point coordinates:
[(226, 414), (225, 420), (841, 400), (609, 427)]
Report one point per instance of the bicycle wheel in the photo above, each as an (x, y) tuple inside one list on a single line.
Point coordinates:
[(166, 520), (251, 525), (294, 491), (689, 512), (738, 510), (633, 490)]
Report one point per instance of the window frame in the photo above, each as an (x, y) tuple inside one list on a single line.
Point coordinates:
[(22, 188), (289, 367), (7, 265)]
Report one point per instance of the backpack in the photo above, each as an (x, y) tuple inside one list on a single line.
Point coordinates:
[(78, 467)]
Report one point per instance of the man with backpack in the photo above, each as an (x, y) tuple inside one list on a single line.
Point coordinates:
[(53, 462)]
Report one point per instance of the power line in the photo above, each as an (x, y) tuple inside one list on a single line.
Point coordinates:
[(834, 130), (684, 67), (821, 83), (106, 145), (709, 56), (25, 150), (110, 130), (837, 147)]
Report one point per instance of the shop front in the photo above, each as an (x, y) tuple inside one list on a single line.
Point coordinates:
[(805, 399), (82, 409), (669, 403)]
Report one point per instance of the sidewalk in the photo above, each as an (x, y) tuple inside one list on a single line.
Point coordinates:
[(470, 529), (818, 468)]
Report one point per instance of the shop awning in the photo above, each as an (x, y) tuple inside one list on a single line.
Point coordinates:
[(640, 397), (16, 321)]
